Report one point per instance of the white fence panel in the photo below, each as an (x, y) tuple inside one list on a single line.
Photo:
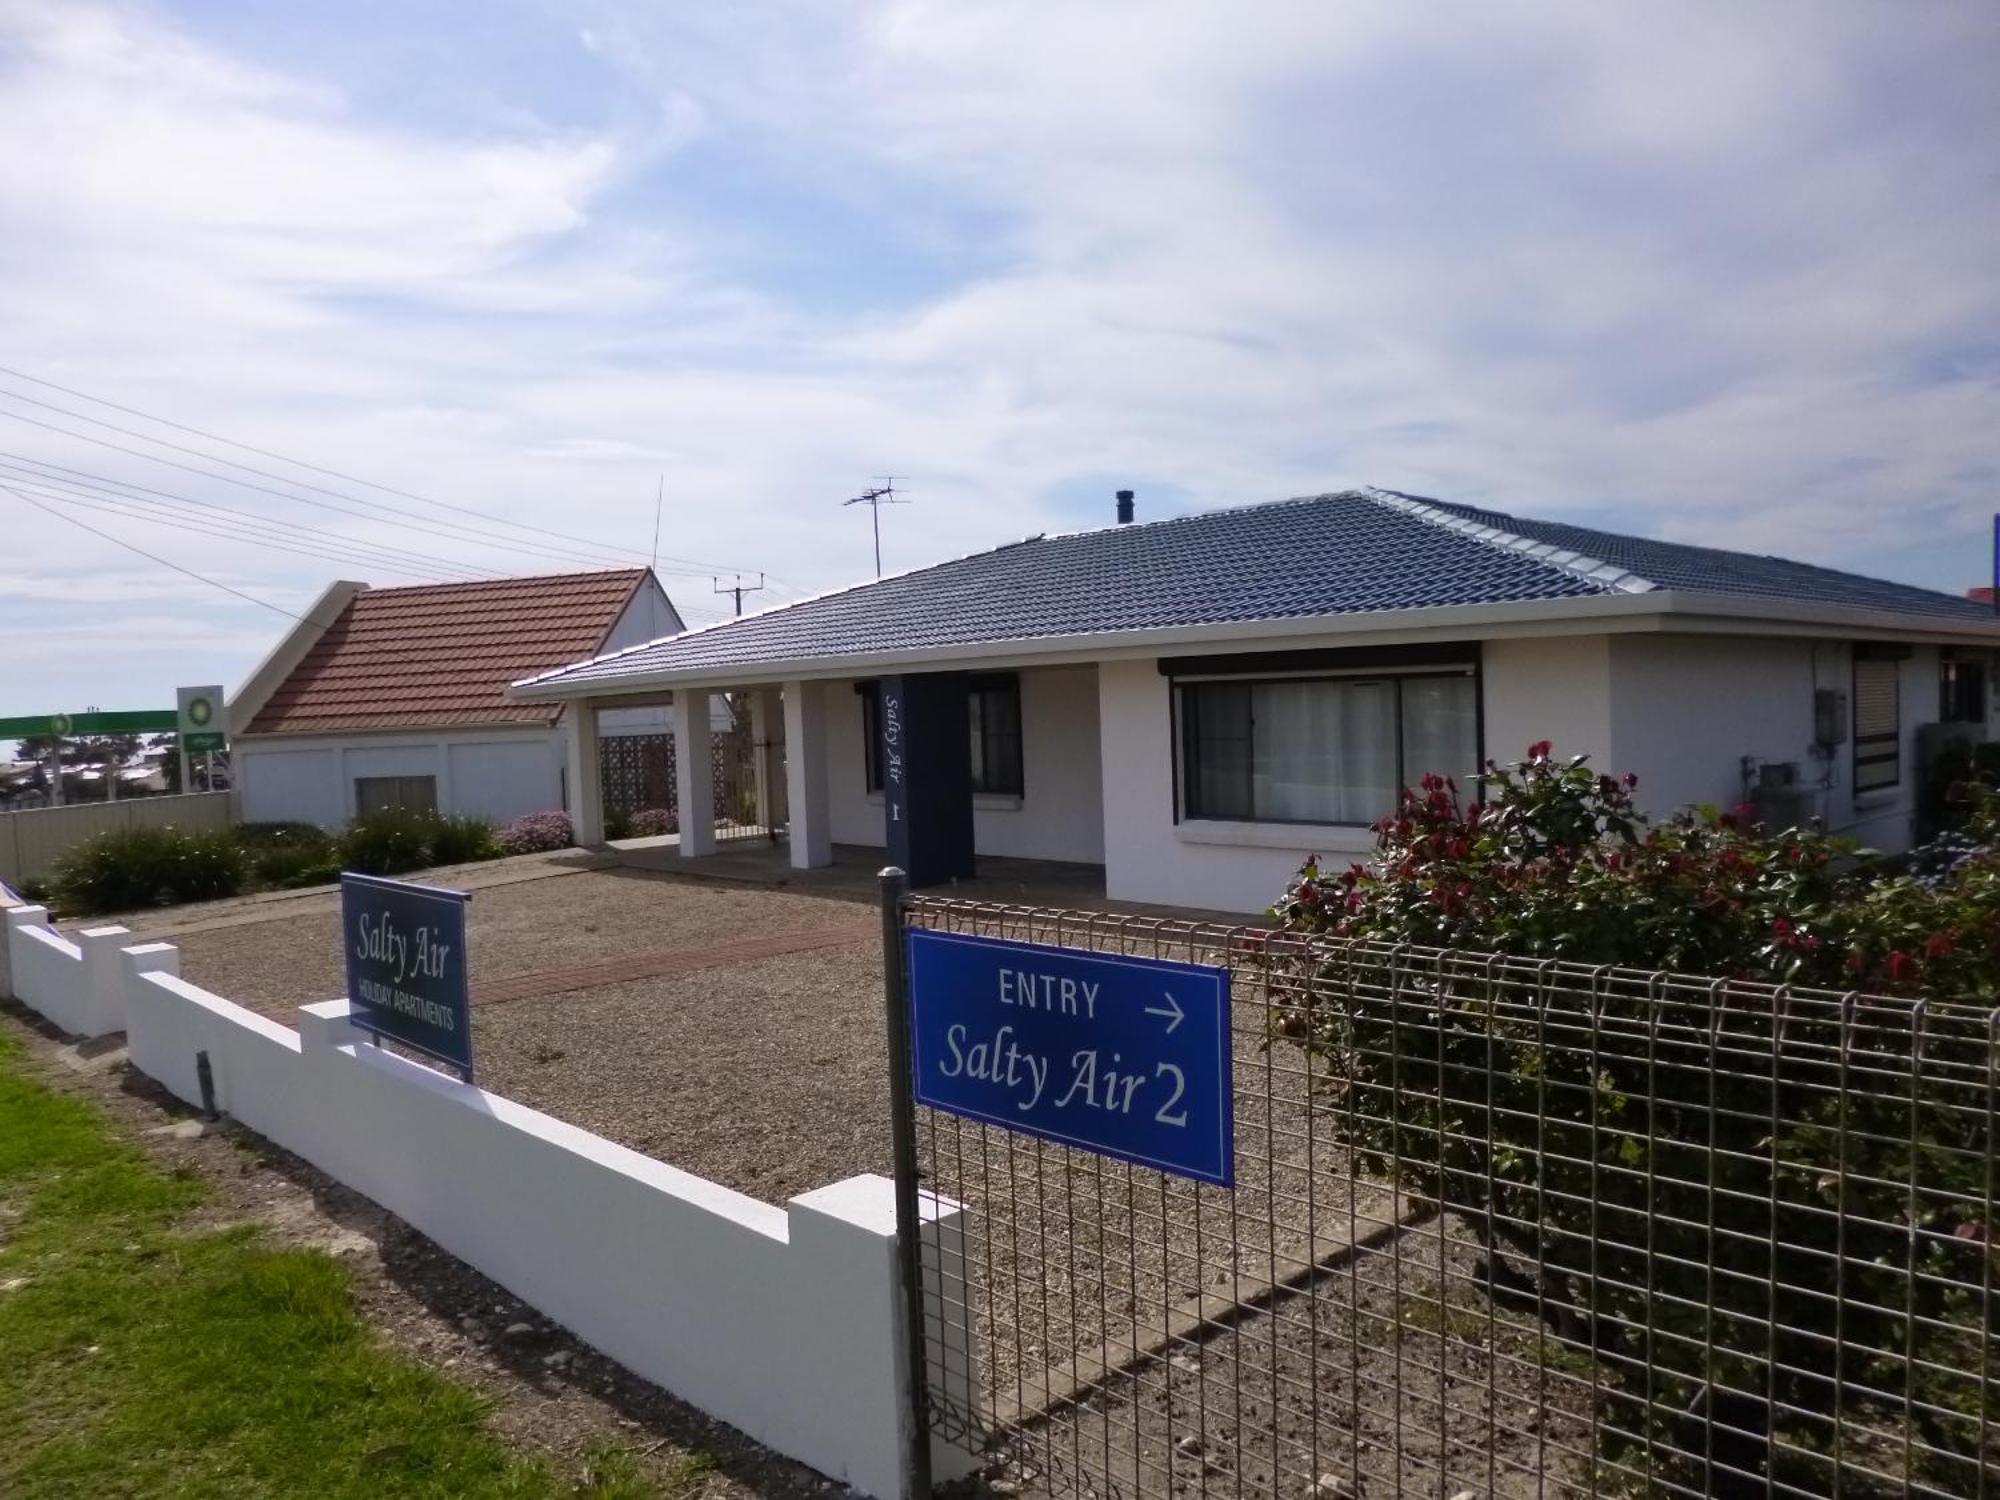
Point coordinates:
[(32, 841)]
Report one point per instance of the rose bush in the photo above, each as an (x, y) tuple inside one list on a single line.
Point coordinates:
[(1601, 1138)]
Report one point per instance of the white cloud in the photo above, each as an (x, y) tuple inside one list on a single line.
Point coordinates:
[(1723, 272)]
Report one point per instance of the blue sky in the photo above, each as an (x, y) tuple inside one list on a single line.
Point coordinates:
[(1719, 273)]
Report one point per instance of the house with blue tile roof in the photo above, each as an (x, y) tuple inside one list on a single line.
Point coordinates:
[(1196, 704)]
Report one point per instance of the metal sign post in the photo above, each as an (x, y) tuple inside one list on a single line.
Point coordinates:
[(1126, 1057), (909, 1214)]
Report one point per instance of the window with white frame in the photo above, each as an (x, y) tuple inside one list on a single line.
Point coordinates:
[(1321, 749)]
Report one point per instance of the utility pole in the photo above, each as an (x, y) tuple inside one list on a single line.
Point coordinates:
[(875, 499), (738, 588)]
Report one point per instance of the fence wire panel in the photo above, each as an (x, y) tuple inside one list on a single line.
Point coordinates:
[(1501, 1227)]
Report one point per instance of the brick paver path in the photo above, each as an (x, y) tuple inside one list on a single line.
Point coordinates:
[(544, 982), (673, 961)]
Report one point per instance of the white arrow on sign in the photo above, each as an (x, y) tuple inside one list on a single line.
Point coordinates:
[(1175, 1013)]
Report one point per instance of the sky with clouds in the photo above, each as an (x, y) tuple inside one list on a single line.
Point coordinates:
[(1711, 271)]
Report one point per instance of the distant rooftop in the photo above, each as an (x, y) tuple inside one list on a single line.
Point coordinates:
[(1352, 552), (444, 654)]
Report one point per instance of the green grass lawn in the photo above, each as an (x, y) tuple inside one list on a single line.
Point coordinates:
[(140, 1359)]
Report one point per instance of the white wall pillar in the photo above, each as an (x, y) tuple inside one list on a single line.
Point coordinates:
[(103, 1010), (694, 772), (584, 785), (13, 917), (805, 775)]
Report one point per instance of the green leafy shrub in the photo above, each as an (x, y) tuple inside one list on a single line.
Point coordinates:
[(461, 840), (288, 856), (391, 842), (140, 867), (1599, 1155), (617, 824)]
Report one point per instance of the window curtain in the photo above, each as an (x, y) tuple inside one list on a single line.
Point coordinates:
[(1440, 728), (1324, 752)]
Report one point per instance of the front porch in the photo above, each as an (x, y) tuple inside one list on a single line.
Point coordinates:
[(832, 782)]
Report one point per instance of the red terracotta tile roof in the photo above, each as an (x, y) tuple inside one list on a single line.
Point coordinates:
[(444, 653)]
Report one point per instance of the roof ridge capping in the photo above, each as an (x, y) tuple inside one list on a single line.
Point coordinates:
[(1607, 576)]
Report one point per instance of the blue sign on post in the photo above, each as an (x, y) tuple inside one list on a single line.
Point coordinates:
[(406, 969), (1127, 1057)]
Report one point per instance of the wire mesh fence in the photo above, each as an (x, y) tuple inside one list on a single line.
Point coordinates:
[(1500, 1227)]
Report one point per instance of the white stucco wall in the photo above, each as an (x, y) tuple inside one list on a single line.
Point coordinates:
[(1147, 857), (1060, 814), (1554, 688), (494, 774), (1686, 709)]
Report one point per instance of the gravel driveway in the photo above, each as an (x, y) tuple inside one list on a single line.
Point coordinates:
[(768, 1075)]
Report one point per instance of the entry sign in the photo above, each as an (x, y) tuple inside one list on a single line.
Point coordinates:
[(1127, 1057), (406, 970)]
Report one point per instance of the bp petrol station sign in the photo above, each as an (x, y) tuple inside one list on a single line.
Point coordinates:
[(199, 720)]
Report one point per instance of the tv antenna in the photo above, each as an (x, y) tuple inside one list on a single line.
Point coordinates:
[(883, 494), (738, 588)]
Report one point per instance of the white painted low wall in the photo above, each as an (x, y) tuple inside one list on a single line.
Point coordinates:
[(80, 985), (784, 1322)]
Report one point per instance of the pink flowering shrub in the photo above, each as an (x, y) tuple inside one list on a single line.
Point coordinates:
[(653, 822), (536, 833)]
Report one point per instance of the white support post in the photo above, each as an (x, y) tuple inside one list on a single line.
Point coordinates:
[(805, 775), (694, 772), (584, 786), (766, 717)]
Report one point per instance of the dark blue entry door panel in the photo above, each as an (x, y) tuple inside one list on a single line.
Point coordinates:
[(1127, 1057)]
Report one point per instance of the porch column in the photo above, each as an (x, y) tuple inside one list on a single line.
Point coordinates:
[(805, 774), (767, 717), (583, 786), (694, 772)]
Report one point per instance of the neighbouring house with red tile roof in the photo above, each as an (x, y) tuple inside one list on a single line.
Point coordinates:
[(398, 696)]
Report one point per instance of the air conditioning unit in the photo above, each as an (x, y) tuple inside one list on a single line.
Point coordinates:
[(1782, 797)]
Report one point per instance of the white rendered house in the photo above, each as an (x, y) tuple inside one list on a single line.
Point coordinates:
[(1196, 704)]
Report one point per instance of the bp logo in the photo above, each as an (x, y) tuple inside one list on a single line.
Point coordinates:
[(59, 725), (199, 712)]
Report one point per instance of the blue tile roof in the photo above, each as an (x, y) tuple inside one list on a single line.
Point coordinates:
[(1710, 570), (1358, 551)]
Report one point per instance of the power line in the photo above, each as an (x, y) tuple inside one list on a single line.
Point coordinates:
[(455, 533), (413, 563), (429, 664), (154, 556), (602, 549), (203, 526)]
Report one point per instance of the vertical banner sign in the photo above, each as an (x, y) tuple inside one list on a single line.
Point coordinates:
[(406, 968), (199, 719), (1126, 1057), (895, 778)]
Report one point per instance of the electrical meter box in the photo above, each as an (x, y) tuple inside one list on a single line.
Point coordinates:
[(1829, 717)]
